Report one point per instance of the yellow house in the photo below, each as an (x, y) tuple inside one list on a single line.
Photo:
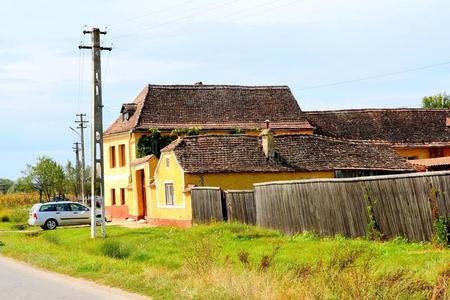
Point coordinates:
[(214, 109), (239, 161)]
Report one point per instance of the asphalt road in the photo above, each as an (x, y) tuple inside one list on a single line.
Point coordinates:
[(19, 281)]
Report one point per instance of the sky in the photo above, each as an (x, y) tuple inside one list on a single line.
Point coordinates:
[(323, 50)]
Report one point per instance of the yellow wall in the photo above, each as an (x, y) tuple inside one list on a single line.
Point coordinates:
[(181, 210), (421, 153), (245, 181), (118, 177)]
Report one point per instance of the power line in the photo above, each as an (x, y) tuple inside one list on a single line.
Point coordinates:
[(375, 76), (259, 9), (149, 14), (178, 19)]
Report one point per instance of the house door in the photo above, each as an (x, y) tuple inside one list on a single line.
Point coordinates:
[(142, 195)]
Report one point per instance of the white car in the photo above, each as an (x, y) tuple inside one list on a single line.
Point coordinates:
[(53, 214)]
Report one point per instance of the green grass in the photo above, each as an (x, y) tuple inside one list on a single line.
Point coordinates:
[(234, 261), (14, 218)]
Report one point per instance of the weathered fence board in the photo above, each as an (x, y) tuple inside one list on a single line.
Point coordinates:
[(241, 206), (207, 204), (401, 204)]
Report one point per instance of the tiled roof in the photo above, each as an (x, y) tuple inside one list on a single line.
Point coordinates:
[(402, 127), (314, 153), (431, 162), (213, 107), (239, 153), (222, 153)]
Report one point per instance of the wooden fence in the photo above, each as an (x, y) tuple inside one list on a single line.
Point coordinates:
[(401, 204), (241, 206), (207, 204)]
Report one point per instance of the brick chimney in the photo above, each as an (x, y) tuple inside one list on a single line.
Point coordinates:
[(266, 137)]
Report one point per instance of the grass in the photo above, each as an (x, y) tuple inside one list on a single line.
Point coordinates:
[(14, 218), (234, 261)]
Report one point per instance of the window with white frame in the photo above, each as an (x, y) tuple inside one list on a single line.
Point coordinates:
[(168, 193)]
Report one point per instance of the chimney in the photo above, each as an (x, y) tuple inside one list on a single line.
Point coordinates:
[(266, 137)]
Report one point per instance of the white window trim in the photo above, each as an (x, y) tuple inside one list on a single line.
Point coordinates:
[(157, 184), (173, 196)]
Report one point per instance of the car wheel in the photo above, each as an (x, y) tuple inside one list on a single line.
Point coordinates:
[(50, 224)]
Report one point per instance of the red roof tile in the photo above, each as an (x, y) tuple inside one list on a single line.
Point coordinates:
[(239, 153), (212, 107), (402, 127)]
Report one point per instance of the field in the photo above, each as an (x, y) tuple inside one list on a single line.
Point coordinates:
[(234, 261)]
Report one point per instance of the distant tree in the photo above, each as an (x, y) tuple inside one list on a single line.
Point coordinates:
[(5, 185), (22, 184), (46, 177), (71, 179), (440, 100)]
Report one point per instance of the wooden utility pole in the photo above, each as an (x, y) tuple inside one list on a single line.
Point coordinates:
[(76, 149), (81, 126), (97, 131)]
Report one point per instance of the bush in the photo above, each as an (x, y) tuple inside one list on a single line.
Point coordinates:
[(440, 232), (115, 249), (19, 216), (5, 218)]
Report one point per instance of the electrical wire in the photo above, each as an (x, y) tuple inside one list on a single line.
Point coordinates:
[(374, 76), (150, 13), (177, 20)]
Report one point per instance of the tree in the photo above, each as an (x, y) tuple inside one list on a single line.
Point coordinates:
[(71, 179), (440, 100), (5, 184), (22, 184), (46, 177)]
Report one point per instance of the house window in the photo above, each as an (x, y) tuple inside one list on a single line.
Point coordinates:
[(122, 160), (122, 196), (113, 197), (168, 193), (167, 162), (112, 156), (436, 152), (412, 157), (126, 116)]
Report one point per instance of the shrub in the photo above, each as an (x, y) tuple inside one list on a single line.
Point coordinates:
[(19, 216), (440, 232), (115, 249), (5, 218), (2, 244), (203, 256)]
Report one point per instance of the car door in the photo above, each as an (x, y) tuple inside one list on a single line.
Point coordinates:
[(80, 214), (63, 214), (47, 211)]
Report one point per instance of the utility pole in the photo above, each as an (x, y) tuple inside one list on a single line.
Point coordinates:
[(97, 130), (76, 149), (81, 125)]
